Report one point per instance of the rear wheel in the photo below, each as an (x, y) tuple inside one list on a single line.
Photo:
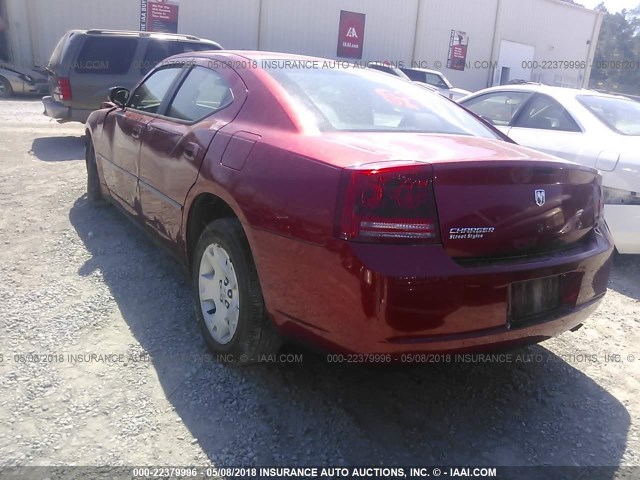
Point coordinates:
[(5, 88), (229, 303)]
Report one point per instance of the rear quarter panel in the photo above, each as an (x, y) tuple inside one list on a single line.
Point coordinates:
[(286, 202)]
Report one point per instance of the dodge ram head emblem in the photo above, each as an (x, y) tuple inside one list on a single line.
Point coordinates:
[(541, 197)]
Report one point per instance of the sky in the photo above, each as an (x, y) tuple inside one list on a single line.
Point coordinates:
[(612, 5)]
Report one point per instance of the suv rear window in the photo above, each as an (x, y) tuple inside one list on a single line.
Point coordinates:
[(56, 56), (106, 55)]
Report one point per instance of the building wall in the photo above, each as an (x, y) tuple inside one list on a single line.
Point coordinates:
[(41, 23), (233, 23), (311, 27), (477, 19), (400, 31), (558, 31)]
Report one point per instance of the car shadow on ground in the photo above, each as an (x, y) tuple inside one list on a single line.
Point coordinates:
[(21, 97), (626, 269), (58, 149), (534, 412)]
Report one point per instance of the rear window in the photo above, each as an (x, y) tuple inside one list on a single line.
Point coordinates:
[(619, 114), (201, 94), (436, 80), (56, 56), (361, 100), (106, 55), (158, 50), (415, 75)]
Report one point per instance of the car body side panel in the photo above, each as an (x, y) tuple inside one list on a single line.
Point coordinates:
[(624, 223), (375, 298), (171, 157), (572, 146), (123, 132)]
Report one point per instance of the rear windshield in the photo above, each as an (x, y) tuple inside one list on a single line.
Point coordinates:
[(427, 77), (106, 55), (56, 56), (619, 114), (355, 99)]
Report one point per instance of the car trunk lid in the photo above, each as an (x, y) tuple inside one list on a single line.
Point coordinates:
[(507, 208)]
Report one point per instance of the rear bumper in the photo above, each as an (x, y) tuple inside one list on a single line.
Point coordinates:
[(381, 299), (63, 113), (624, 223)]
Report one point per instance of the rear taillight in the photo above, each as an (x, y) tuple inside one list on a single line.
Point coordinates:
[(64, 89), (388, 204)]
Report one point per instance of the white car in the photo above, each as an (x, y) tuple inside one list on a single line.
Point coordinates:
[(435, 79), (583, 126), (387, 67)]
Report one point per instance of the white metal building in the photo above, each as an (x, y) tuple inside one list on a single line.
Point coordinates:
[(540, 40)]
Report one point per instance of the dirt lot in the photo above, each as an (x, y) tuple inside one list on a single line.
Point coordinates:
[(76, 281)]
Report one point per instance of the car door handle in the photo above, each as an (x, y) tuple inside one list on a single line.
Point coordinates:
[(136, 131), (191, 150)]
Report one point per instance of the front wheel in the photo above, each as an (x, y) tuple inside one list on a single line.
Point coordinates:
[(94, 192), (5, 88), (229, 303)]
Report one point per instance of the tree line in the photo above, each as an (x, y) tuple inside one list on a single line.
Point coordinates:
[(617, 57)]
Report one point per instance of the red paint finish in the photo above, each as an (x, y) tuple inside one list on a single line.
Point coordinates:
[(286, 184), (239, 149)]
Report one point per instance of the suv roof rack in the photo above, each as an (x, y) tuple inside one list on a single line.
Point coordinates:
[(100, 31)]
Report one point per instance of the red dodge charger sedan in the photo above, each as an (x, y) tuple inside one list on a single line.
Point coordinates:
[(347, 208)]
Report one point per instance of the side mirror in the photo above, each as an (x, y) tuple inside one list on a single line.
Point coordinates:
[(119, 96)]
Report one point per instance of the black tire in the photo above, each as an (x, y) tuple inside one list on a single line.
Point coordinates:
[(94, 193), (254, 335), (5, 88)]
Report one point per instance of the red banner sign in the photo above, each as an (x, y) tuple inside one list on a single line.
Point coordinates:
[(159, 16), (351, 34), (458, 45)]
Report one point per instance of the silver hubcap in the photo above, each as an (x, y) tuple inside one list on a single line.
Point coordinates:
[(219, 296)]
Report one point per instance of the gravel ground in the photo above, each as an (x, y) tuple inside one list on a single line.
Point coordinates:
[(76, 281)]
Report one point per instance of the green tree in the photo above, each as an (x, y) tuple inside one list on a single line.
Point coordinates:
[(617, 56)]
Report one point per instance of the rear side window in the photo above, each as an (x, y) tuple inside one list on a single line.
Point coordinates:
[(415, 75), (619, 114), (435, 80), (158, 50), (498, 108), (544, 113), (203, 92), (106, 55)]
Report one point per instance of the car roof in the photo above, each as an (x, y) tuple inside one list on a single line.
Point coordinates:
[(425, 70), (256, 55), (135, 33), (263, 55), (553, 91)]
